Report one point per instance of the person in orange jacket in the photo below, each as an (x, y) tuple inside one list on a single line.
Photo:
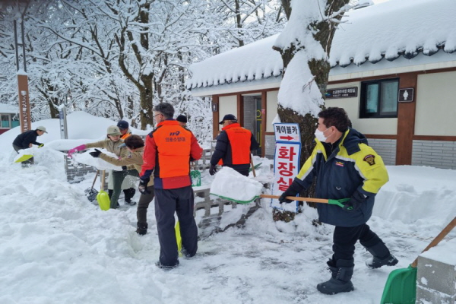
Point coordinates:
[(124, 129), (233, 146), (167, 154), (127, 184)]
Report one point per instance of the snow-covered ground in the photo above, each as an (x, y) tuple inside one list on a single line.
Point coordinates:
[(57, 247)]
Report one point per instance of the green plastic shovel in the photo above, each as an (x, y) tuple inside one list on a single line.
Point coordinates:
[(23, 158), (400, 287), (103, 197)]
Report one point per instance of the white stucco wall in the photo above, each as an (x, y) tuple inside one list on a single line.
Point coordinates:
[(380, 126), (271, 103), (436, 104), (227, 105)]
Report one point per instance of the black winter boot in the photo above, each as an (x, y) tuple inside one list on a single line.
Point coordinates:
[(340, 280), (129, 193), (142, 228), (110, 192), (381, 256)]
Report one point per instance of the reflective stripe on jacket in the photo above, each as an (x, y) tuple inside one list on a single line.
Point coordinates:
[(353, 165)]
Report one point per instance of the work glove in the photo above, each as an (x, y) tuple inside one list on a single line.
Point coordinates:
[(40, 145), (355, 201), (212, 170), (143, 185), (293, 190), (96, 153), (75, 150)]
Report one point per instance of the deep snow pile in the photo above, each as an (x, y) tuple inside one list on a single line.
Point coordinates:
[(57, 247)]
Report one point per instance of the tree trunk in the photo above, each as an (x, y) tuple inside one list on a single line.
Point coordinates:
[(324, 33)]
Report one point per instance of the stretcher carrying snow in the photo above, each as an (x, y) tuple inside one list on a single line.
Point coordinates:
[(232, 186)]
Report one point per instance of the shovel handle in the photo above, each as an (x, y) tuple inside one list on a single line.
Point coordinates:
[(437, 239), (296, 198), (338, 202), (102, 180), (95, 179), (253, 167)]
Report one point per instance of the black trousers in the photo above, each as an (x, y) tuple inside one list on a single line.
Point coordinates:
[(168, 202), (345, 238), (143, 204)]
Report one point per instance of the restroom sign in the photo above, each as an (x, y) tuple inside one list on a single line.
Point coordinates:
[(406, 95)]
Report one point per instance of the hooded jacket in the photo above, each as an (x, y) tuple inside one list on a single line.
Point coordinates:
[(352, 166)]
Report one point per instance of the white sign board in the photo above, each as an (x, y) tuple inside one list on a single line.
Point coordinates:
[(286, 159), (287, 132)]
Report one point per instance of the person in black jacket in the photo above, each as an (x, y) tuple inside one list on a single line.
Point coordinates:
[(233, 147), (27, 139)]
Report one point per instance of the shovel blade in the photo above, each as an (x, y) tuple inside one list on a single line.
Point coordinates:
[(103, 200), (23, 158), (400, 286), (91, 194)]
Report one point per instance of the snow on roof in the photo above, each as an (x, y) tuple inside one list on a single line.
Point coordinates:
[(254, 61), (386, 30), (6, 108), (395, 28)]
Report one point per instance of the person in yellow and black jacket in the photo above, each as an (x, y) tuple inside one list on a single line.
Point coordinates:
[(233, 146), (345, 167), (168, 151)]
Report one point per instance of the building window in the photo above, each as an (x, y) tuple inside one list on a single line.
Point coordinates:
[(5, 121), (379, 98), (15, 121)]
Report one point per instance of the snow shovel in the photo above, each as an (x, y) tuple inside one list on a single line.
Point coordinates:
[(338, 202), (91, 193), (102, 196), (400, 286), (23, 158)]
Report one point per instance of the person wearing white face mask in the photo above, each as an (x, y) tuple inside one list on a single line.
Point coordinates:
[(345, 167)]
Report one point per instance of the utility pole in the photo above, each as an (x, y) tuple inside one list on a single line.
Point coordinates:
[(22, 79)]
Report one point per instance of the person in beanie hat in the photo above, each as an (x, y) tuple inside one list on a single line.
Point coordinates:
[(27, 140), (182, 119), (233, 146)]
